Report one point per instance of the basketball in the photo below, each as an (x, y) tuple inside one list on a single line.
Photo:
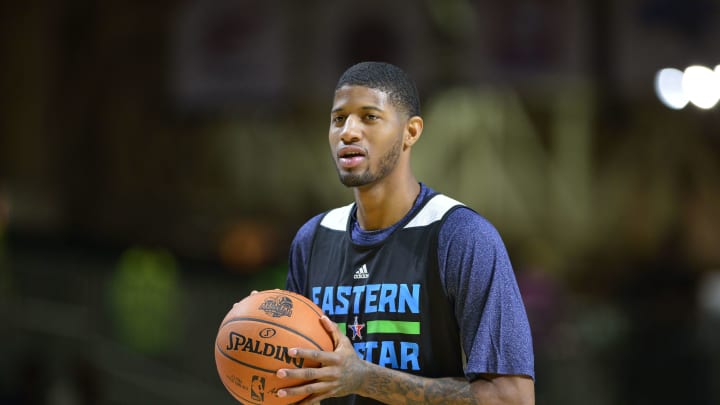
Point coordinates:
[(253, 342)]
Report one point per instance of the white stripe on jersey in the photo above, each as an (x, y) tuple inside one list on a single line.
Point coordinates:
[(337, 218), (433, 211)]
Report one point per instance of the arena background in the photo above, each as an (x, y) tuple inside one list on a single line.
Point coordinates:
[(156, 158)]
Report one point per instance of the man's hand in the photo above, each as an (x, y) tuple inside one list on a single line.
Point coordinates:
[(342, 371)]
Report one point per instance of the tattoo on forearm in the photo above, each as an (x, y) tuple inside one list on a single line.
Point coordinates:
[(449, 392), (413, 390), (402, 391)]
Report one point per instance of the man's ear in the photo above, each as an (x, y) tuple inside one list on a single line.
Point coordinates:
[(413, 130)]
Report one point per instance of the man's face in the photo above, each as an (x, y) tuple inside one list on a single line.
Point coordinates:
[(366, 135)]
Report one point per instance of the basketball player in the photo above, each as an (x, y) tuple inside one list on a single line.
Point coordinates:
[(418, 290)]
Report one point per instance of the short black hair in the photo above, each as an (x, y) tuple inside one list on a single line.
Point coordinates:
[(388, 78)]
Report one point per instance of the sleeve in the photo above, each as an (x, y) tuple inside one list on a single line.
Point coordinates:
[(299, 255), (479, 280)]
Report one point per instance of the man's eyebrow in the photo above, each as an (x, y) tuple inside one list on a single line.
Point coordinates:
[(366, 108)]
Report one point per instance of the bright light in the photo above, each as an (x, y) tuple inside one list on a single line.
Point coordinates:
[(668, 87), (698, 85), (701, 86)]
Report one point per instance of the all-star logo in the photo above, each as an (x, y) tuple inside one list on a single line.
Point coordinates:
[(361, 273), (356, 329), (277, 306)]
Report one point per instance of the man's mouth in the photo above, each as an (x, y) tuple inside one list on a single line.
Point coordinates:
[(350, 156)]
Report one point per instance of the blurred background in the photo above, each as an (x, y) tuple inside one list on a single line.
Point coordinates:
[(157, 157)]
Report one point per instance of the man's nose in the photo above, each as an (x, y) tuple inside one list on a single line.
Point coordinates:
[(352, 130)]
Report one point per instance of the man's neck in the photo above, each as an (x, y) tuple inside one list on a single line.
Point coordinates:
[(382, 205)]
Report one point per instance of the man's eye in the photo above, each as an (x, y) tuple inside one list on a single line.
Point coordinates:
[(371, 117), (338, 119)]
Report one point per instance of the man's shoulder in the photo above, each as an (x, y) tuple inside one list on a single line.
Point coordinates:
[(464, 221), (467, 232), (306, 231)]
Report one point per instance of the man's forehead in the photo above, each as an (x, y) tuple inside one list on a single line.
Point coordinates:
[(347, 94)]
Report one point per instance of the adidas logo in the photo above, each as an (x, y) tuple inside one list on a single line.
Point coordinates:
[(361, 273)]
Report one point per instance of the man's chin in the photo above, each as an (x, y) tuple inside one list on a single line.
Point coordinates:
[(353, 180)]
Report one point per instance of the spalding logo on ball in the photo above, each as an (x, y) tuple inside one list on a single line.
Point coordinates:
[(254, 339)]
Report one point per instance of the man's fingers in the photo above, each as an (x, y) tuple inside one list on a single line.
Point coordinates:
[(304, 390), (300, 373), (331, 328), (329, 325), (315, 355)]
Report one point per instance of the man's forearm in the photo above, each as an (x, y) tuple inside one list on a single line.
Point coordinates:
[(394, 387)]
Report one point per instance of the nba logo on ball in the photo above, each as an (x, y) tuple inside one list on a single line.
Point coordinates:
[(254, 340), (257, 390)]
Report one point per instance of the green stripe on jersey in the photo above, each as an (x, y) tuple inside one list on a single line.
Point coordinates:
[(403, 327)]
